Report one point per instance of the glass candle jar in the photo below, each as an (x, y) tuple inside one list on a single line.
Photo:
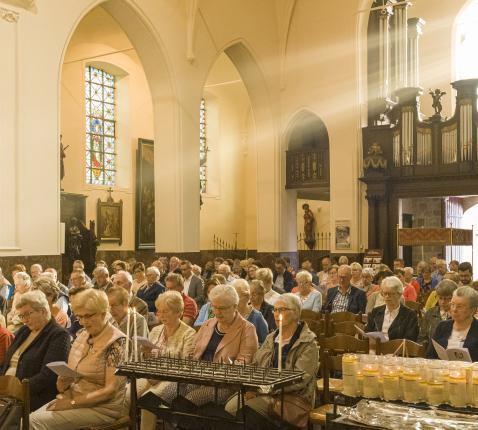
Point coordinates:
[(457, 392), (391, 384), (411, 383), (350, 367), (435, 392), (370, 373)]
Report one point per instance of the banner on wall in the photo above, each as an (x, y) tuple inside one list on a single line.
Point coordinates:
[(342, 234)]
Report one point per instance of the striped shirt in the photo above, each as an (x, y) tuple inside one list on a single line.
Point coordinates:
[(341, 301)]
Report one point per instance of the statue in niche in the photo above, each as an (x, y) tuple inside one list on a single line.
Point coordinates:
[(81, 244), (436, 97), (62, 157), (309, 226)]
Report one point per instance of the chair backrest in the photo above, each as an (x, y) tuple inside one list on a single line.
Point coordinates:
[(412, 349), (342, 343), (307, 314), (317, 327), (416, 306), (12, 387), (345, 316), (344, 327)]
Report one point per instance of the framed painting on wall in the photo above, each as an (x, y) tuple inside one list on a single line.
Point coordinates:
[(342, 234), (110, 220), (145, 208)]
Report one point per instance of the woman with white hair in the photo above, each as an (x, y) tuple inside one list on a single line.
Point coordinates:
[(172, 338), (152, 289), (96, 397), (367, 282), (299, 352), (461, 331), (38, 342), (23, 284), (226, 338), (310, 298), (393, 319), (247, 311)]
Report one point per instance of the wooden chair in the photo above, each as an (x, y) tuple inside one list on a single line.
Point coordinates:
[(119, 424), (345, 316), (412, 349), (416, 306), (344, 327), (10, 386), (309, 315), (329, 364), (317, 327)]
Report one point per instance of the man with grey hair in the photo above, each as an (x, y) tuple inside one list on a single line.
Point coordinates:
[(225, 270), (345, 297), (125, 280), (35, 270), (101, 279)]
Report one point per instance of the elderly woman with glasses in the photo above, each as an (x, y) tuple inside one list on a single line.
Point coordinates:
[(440, 312), (48, 286), (23, 284), (461, 331), (227, 338), (152, 289), (393, 319), (247, 311), (258, 291), (96, 396), (139, 277), (38, 342), (172, 338), (299, 352), (310, 298)]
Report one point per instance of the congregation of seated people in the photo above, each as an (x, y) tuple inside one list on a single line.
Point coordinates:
[(226, 311)]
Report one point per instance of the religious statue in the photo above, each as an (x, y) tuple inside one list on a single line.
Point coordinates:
[(436, 97), (62, 157), (81, 243), (309, 226)]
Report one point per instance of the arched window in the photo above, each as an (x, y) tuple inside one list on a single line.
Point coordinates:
[(202, 147), (100, 127), (466, 41)]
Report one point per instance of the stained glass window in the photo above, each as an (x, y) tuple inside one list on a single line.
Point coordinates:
[(202, 147), (100, 127)]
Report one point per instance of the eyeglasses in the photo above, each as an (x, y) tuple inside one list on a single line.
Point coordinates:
[(26, 315), (85, 317), (221, 308), (389, 293), (280, 310)]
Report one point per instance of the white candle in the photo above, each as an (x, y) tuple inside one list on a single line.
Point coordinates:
[(280, 344), (126, 359), (135, 333)]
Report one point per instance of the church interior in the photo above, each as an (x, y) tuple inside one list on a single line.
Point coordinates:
[(323, 149)]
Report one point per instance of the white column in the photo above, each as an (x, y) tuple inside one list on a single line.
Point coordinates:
[(384, 53), (400, 45), (8, 129), (415, 30)]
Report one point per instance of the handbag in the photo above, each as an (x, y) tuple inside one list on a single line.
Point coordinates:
[(295, 410), (10, 413)]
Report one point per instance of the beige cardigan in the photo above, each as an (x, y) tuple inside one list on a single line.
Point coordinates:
[(180, 344)]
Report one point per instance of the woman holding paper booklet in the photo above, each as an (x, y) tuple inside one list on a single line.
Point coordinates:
[(38, 342), (394, 320), (96, 397), (461, 331), (172, 338)]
